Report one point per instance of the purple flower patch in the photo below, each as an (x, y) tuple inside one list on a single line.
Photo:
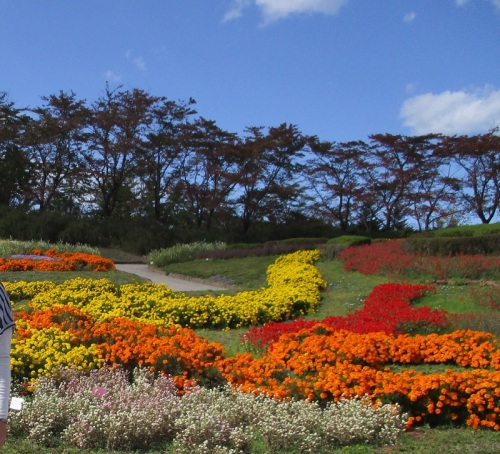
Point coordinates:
[(33, 257)]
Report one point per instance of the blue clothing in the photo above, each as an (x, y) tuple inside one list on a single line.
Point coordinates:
[(6, 315)]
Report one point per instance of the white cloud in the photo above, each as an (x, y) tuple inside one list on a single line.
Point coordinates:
[(409, 17), (111, 76), (452, 112), (138, 61), (495, 3), (410, 87), (273, 10), (237, 10)]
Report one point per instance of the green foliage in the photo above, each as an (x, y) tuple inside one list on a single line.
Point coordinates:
[(487, 321), (181, 252), (12, 247), (120, 256), (468, 230), (444, 245), (336, 245), (275, 248), (310, 241), (350, 240), (135, 235), (421, 327)]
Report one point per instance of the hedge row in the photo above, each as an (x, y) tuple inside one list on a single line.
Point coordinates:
[(241, 250), (470, 245)]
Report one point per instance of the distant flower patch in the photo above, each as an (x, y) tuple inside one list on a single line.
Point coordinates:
[(51, 260), (389, 258)]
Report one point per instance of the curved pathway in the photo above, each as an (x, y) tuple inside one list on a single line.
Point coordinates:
[(177, 284)]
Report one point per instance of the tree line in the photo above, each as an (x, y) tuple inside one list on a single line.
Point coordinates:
[(131, 158)]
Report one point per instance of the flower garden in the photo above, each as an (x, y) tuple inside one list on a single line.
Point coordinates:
[(369, 357), (51, 260)]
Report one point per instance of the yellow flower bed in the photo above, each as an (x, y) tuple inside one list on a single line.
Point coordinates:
[(23, 290), (49, 348), (294, 288)]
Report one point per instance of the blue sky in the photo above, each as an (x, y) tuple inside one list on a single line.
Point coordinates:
[(338, 69)]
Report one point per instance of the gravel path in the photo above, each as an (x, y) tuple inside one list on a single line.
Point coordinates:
[(177, 284)]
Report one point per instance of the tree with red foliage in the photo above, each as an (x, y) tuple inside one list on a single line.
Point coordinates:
[(333, 177), (394, 165), (267, 173), (208, 171), (479, 158), (54, 141)]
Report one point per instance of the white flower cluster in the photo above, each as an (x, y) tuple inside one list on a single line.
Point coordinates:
[(356, 420), (107, 410), (103, 409)]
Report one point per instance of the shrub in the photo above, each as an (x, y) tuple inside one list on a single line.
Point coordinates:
[(101, 410), (358, 421), (181, 252), (335, 246), (485, 245), (468, 230), (263, 249), (350, 240), (13, 247), (215, 421)]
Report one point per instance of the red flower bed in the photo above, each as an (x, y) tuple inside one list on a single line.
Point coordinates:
[(388, 258), (51, 260), (387, 308)]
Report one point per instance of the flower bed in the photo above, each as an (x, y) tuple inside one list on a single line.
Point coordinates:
[(323, 364), (97, 323), (111, 409), (387, 308), (320, 363), (390, 259), (51, 260), (65, 336), (294, 289)]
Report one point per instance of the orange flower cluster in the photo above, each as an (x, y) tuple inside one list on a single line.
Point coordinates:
[(323, 364), (66, 318), (175, 351), (51, 260)]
